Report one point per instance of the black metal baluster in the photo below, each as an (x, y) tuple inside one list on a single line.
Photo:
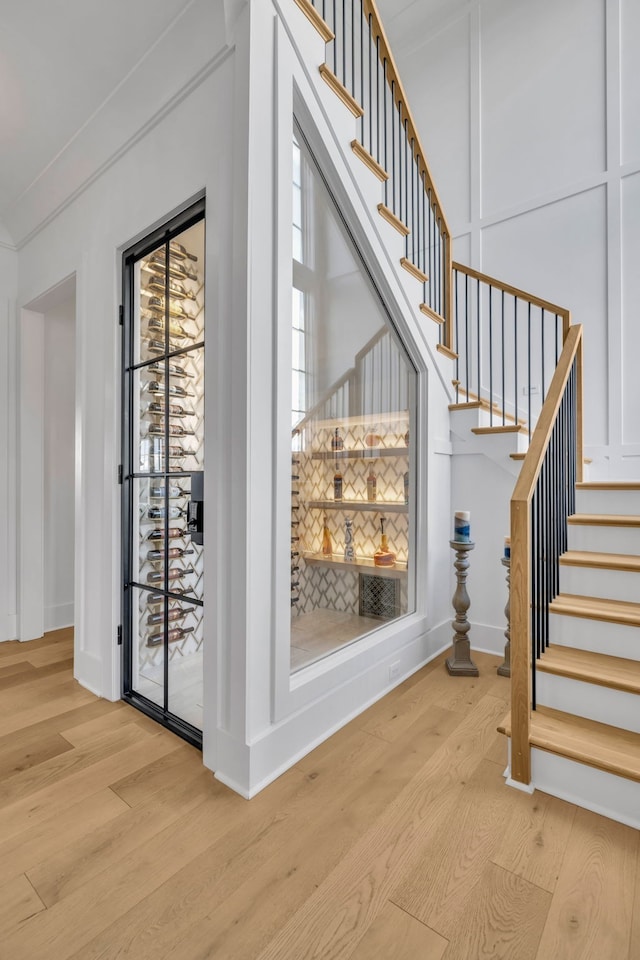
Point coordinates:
[(386, 97), (413, 207), (542, 385), (430, 270), (370, 103), (406, 182), (393, 147), (344, 43), (335, 41), (490, 357), (504, 359), (534, 591), (478, 351), (440, 266), (529, 367), (466, 332), (362, 71), (456, 277), (353, 48), (399, 214), (378, 153), (515, 355)]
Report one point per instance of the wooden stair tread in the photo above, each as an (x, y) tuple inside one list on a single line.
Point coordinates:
[(594, 744), (596, 608), (608, 485), (607, 561), (605, 519), (599, 668), (510, 428)]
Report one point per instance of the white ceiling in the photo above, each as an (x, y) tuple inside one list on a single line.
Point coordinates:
[(59, 61)]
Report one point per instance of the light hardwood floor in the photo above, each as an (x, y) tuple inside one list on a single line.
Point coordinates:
[(394, 840)]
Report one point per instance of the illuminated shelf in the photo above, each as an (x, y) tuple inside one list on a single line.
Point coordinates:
[(362, 564), (364, 453), (373, 506)]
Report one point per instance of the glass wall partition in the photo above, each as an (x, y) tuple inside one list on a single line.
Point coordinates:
[(162, 474), (353, 415)]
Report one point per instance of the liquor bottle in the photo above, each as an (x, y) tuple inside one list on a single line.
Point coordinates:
[(156, 324), (159, 493), (154, 387), (172, 635), (173, 533), (175, 410), (173, 553), (175, 430), (157, 305), (174, 369), (157, 513), (372, 485), (349, 552), (180, 270), (337, 485), (174, 573), (327, 543), (337, 443), (384, 557), (174, 613)]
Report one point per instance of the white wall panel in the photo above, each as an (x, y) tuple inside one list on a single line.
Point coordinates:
[(630, 309), (630, 87), (436, 79), (59, 464), (543, 97), (559, 252)]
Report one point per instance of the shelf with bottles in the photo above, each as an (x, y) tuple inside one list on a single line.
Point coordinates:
[(361, 437), (371, 506), (396, 572), (361, 453)]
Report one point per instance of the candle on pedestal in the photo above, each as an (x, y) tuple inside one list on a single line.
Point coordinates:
[(462, 526)]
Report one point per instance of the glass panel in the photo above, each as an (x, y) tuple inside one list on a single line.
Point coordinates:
[(353, 410), (185, 662), (148, 648)]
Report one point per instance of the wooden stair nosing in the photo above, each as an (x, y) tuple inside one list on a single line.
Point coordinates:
[(485, 404), (596, 608), (341, 91), (314, 17), (597, 745), (608, 485), (604, 520), (629, 563), (616, 673), (509, 428)]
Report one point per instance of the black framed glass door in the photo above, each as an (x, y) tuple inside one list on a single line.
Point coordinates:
[(162, 473)]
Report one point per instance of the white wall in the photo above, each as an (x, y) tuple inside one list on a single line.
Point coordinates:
[(8, 293), (59, 464), (528, 112)]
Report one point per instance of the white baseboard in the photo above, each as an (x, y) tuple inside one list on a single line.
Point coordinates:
[(486, 639), (58, 616)]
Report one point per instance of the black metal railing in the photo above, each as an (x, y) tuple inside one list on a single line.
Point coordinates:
[(553, 501), (508, 344), (360, 58)]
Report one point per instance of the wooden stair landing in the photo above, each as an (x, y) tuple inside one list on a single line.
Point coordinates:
[(594, 744)]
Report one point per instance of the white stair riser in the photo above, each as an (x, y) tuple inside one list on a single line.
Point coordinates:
[(600, 582), (604, 793), (617, 708), (601, 539), (597, 636), (626, 502)]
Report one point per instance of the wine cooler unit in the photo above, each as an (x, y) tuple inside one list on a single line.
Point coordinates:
[(163, 544)]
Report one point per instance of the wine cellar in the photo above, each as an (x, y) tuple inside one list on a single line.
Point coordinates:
[(163, 465)]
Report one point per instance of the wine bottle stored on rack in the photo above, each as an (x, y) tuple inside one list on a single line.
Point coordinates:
[(157, 306), (156, 286), (172, 636), (175, 391), (159, 493), (173, 553), (174, 613), (178, 269), (156, 324), (175, 430), (157, 513), (174, 573), (154, 598), (173, 533), (175, 410), (179, 252), (174, 369)]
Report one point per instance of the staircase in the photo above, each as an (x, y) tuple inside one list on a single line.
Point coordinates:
[(574, 726)]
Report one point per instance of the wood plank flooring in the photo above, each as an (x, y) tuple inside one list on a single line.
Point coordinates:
[(394, 840)]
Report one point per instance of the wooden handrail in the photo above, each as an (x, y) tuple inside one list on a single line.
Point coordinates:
[(520, 610), (521, 294), (393, 76)]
